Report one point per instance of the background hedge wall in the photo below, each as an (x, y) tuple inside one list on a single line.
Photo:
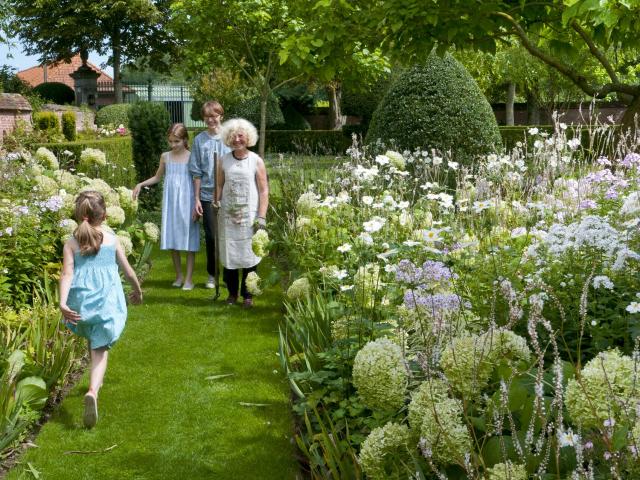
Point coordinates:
[(119, 170)]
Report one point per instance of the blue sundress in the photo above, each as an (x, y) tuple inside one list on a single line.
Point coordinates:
[(178, 231), (96, 294)]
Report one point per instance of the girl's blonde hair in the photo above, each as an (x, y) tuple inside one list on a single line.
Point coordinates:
[(90, 212), (235, 125), (179, 131)]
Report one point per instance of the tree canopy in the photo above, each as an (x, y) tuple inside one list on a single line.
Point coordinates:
[(57, 30)]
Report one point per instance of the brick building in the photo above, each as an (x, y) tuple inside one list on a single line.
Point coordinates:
[(13, 107)]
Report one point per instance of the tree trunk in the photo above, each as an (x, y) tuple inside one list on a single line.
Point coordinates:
[(631, 117), (533, 110), (334, 92), (117, 59), (263, 119), (511, 97)]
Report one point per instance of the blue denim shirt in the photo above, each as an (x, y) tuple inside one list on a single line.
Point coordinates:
[(201, 162)]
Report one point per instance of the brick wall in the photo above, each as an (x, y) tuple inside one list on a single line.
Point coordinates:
[(9, 118)]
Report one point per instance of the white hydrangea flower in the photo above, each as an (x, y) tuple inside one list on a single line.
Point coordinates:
[(93, 157), (253, 284), (115, 216), (298, 289), (126, 243), (47, 158), (151, 231), (260, 243)]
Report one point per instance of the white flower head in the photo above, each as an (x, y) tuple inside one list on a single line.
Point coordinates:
[(344, 248)]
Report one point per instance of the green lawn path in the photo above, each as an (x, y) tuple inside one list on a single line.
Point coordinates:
[(165, 418)]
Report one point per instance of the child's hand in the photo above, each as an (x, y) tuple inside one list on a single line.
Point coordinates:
[(69, 315), (136, 192), (135, 297)]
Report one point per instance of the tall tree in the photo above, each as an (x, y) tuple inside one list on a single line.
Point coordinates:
[(56, 30), (242, 35), (558, 32), (327, 49)]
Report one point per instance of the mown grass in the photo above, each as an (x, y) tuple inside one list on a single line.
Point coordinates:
[(160, 413)]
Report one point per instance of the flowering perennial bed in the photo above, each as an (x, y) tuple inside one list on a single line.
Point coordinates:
[(468, 322)]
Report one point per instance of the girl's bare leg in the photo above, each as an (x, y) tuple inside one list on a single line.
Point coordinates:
[(98, 368), (191, 260), (177, 265)]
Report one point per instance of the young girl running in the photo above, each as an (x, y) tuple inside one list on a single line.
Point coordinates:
[(91, 296), (180, 230)]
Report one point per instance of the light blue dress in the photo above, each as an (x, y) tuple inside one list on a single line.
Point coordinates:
[(178, 231), (96, 294)]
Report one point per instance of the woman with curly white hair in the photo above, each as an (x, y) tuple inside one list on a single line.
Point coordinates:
[(242, 192)]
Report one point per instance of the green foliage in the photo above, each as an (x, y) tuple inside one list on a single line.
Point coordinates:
[(119, 170), (55, 92), (323, 142), (69, 125), (46, 121), (116, 114), (436, 105), (11, 83), (293, 120), (363, 101), (250, 109), (148, 123)]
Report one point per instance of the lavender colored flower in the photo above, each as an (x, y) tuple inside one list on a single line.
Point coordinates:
[(586, 204), (434, 303), (630, 160)]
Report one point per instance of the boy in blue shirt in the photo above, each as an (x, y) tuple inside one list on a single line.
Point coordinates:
[(201, 168)]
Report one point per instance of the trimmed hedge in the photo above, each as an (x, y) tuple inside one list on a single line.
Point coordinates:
[(45, 120), (324, 142), (119, 170), (436, 105), (149, 123), (69, 125), (117, 114)]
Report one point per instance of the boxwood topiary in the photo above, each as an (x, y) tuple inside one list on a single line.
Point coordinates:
[(148, 123), (56, 92), (436, 105), (69, 125), (113, 115)]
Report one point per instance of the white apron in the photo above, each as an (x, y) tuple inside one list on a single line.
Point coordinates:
[(238, 211)]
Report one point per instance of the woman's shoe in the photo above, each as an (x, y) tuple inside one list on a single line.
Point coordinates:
[(247, 303), (231, 300), (187, 286), (177, 284)]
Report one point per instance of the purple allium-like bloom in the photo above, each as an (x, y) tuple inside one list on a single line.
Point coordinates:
[(434, 303), (630, 160), (611, 194), (603, 161), (585, 204)]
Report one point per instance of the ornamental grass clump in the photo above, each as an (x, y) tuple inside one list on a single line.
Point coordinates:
[(385, 453), (380, 375), (605, 392)]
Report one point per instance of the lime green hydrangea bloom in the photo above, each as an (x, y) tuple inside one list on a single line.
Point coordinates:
[(467, 363), (253, 284), (67, 180), (507, 470), (385, 452), (151, 231), (396, 159), (506, 344), (606, 382), (125, 241), (46, 185), (115, 216), (260, 243), (93, 157), (98, 185), (302, 222), (299, 288), (125, 200), (380, 375), (47, 158)]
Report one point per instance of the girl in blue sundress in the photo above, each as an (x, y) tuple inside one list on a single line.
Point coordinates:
[(180, 230), (91, 296)]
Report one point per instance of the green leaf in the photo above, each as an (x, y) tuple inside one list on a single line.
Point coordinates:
[(620, 440), (32, 391)]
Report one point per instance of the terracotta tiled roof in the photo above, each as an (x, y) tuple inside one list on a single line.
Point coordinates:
[(14, 101), (59, 73)]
